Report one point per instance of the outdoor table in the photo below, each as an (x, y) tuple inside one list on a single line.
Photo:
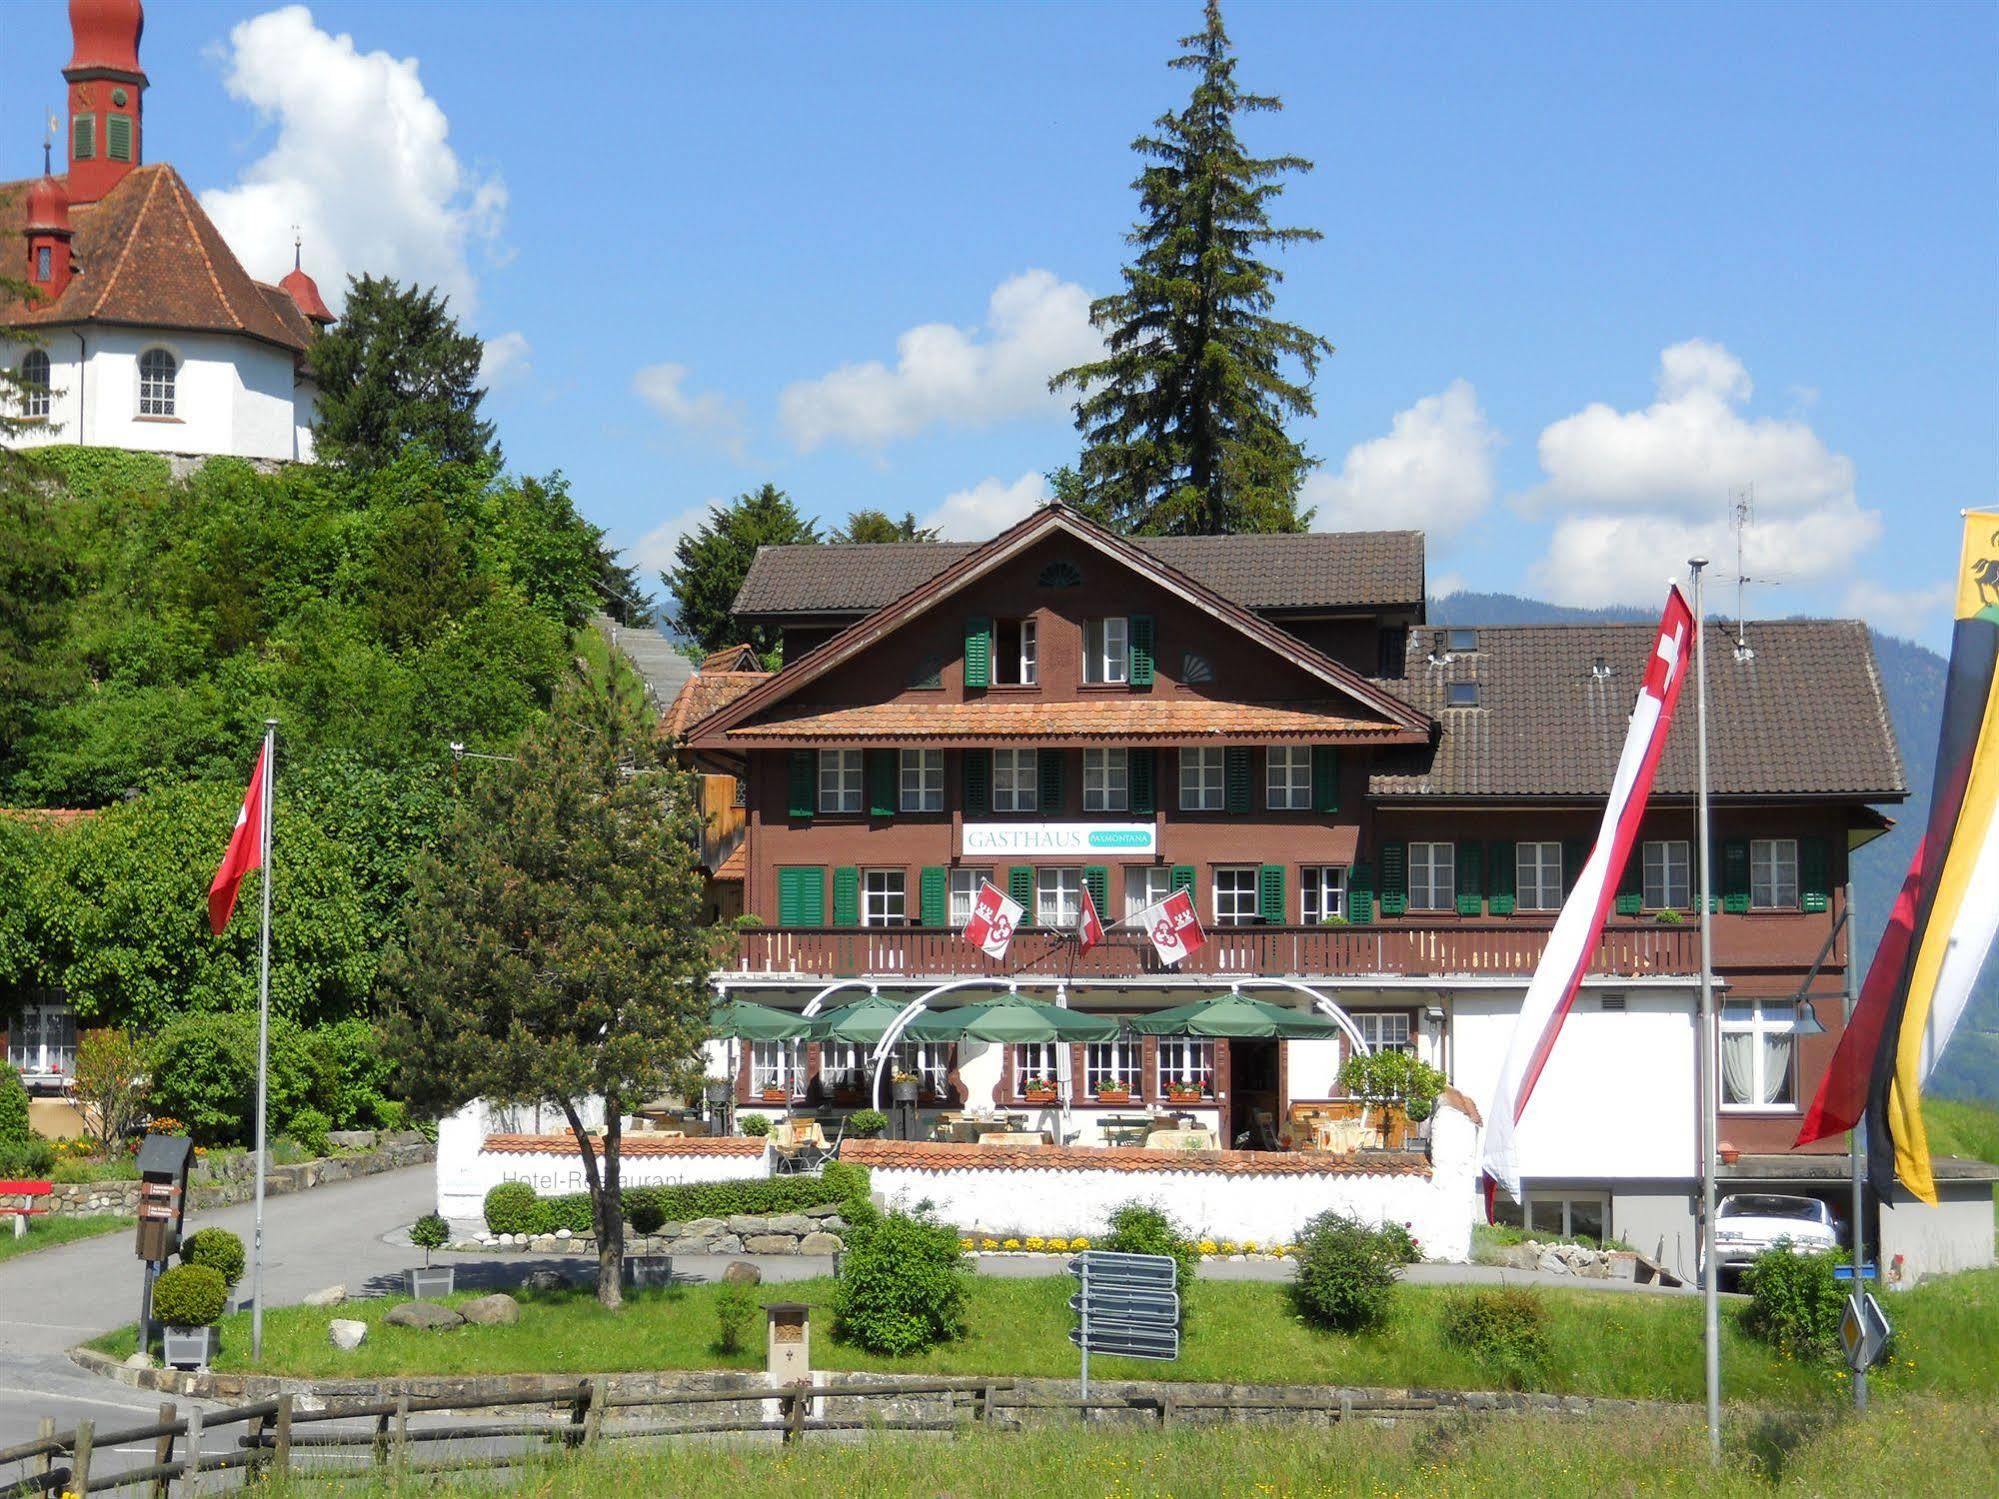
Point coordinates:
[(1131, 1127)]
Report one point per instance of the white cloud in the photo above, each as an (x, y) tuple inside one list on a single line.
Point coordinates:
[(661, 386), (987, 508), (1432, 471), (1913, 613), (1036, 326), (361, 164), (506, 360), (1443, 585), (653, 553)]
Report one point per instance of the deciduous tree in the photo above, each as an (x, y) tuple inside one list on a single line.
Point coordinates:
[(110, 1080)]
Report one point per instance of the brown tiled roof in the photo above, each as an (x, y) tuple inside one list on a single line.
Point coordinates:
[(737, 865), (146, 255), (1320, 570), (733, 658), (1138, 720), (703, 693), (632, 1143), (1803, 715), (923, 1155)]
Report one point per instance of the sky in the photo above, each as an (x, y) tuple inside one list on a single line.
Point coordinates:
[(1590, 270)]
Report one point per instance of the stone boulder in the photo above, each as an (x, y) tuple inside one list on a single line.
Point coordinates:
[(769, 1244), (795, 1224), (138, 1361), (820, 1243), (426, 1316), (496, 1310), (704, 1228), (546, 1280), (347, 1335), (820, 1210), (746, 1224), (691, 1244), (330, 1296), (742, 1273), (726, 1244)]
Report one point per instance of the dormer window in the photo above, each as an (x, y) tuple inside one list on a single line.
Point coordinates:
[(1461, 695), (45, 262), (1460, 638), (157, 373)]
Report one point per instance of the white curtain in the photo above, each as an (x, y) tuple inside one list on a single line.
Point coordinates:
[(1776, 1067), (1738, 1067)]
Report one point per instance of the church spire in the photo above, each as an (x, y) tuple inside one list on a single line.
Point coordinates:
[(106, 85)]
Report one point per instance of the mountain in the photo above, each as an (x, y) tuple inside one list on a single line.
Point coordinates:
[(1912, 677)]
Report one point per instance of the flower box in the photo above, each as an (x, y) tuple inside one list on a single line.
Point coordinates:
[(1039, 1093), (1186, 1093), (188, 1347), (432, 1281), (1113, 1095), (777, 1095)]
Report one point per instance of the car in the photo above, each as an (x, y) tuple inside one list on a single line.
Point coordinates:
[(1748, 1223)]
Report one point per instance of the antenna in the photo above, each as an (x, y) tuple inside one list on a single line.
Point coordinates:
[(1742, 503), (49, 141)]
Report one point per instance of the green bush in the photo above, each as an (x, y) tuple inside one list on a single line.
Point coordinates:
[(1346, 1273), (902, 1284), (1140, 1228), (32, 1159), (644, 1213), (204, 1074), (190, 1296), (756, 1125), (1402, 1240), (14, 1127), (524, 1213), (1795, 1301), (218, 1249), (511, 1208), (867, 1124), (1504, 1327), (309, 1129), (430, 1232), (735, 1309), (350, 1074)]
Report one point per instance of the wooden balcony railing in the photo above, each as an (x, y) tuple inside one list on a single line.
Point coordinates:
[(1456, 950)]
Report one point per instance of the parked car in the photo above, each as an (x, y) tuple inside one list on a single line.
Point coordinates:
[(1747, 1223)]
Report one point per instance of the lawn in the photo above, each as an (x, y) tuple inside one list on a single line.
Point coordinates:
[(1957, 1127), (46, 1232), (1630, 1345)]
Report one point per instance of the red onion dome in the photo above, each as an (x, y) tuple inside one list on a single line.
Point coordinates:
[(48, 207), (305, 293), (106, 33)]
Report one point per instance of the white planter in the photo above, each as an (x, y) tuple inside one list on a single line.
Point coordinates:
[(432, 1281), (188, 1347), (645, 1270)]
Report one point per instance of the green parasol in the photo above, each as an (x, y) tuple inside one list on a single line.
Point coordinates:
[(866, 1021), (1014, 1018), (739, 1020), (1236, 1015)]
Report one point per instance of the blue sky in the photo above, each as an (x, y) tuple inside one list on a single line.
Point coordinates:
[(1588, 267)]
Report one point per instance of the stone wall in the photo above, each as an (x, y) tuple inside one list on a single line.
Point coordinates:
[(238, 1184), (814, 1230)]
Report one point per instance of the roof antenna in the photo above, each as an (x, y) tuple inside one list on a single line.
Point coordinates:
[(48, 145), (298, 243), (1743, 513)]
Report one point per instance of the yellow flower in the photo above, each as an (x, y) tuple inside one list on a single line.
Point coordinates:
[(1228, 1246), (1249, 1246), (1079, 1243), (1206, 1246), (1012, 1244), (1036, 1242), (965, 1244), (1058, 1246), (989, 1244)]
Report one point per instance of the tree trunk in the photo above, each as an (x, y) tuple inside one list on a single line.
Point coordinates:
[(595, 1178), (611, 1211)]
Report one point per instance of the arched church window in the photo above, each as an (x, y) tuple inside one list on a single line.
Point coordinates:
[(35, 385), (156, 383)]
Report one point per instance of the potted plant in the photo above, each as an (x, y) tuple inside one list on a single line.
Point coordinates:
[(646, 1216), (715, 1089), (776, 1095), (1670, 917), (1110, 1092), (1386, 1082), (1184, 1092), (187, 1302), (1040, 1090), (867, 1124), (427, 1233), (906, 1085)]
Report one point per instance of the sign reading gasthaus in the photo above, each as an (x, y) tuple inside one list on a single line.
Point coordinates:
[(1057, 840)]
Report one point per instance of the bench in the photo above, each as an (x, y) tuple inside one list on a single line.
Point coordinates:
[(26, 1210)]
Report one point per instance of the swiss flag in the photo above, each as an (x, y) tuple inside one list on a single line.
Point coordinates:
[(246, 850), (994, 917), (1089, 926), (1173, 927)]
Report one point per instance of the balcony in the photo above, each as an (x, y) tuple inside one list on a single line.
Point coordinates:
[(1457, 950)]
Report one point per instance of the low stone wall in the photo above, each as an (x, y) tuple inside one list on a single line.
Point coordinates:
[(813, 1230), (472, 1160), (1565, 1259), (84, 1199)]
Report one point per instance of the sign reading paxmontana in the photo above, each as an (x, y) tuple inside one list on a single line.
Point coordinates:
[(1074, 840)]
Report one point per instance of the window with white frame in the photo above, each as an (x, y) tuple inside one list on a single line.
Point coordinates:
[(1322, 893), (965, 892), (1668, 874), (884, 897), (1117, 1063), (1567, 1215), (1145, 885), (1016, 783), (1287, 777), (1385, 1030), (41, 1040), (1106, 650), (1237, 900), (843, 1066), (1036, 1064), (1058, 896), (1433, 876), (1186, 1062), (776, 1065), (840, 776), (922, 780), (1773, 874), (157, 372), (1537, 876), (1759, 1044), (929, 1061), (1201, 780), (35, 385), (1014, 663), (1106, 780)]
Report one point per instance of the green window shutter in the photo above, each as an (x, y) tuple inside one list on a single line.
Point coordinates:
[(1394, 878), (1235, 761), (804, 783), (118, 137), (1814, 874), (1049, 763), (1575, 854), (1325, 778), (83, 138), (1140, 775), (1735, 876), (1182, 878), (1502, 872), (979, 652), (1471, 887), (1360, 894), (1020, 886), (1631, 888), (1139, 633), (1098, 878), (1270, 894), (846, 896), (978, 781), (881, 782), (936, 909), (801, 895)]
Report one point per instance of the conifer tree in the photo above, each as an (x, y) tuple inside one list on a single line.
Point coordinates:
[(868, 525), (1183, 418), (710, 564)]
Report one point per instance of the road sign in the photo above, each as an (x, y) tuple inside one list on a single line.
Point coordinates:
[(1863, 1331), (1138, 1271), (1129, 1305)]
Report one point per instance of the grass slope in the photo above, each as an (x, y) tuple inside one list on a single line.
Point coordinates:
[(1957, 1127), (47, 1232)]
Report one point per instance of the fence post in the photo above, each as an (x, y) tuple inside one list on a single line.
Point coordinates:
[(593, 1422), (579, 1413), (190, 1464), (79, 1463), (794, 1418), (163, 1450), (382, 1439), (985, 1405), (281, 1450), (402, 1443), (46, 1432), (1166, 1404)]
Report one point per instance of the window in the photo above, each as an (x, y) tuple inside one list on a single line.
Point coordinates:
[(1236, 899), (1195, 669), (1200, 780), (1146, 885), (922, 780), (775, 1065), (1758, 1049), (1566, 1215), (965, 892), (884, 899), (35, 384), (1106, 650), (843, 1066), (156, 383), (1773, 874), (83, 137), (1013, 652), (1106, 780), (1287, 777), (1668, 874), (1036, 1064), (41, 1042), (1460, 638), (1058, 897), (1016, 787), (1433, 878), (118, 137), (1461, 695), (1385, 1030), (1537, 874), (1322, 893), (45, 262), (1114, 1064), (929, 1060), (1188, 1062), (839, 780)]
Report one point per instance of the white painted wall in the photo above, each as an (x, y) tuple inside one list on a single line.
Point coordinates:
[(1954, 1235)]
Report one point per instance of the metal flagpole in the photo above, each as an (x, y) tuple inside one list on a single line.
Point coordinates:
[(263, 1049), (1856, 1142), (1709, 1050)]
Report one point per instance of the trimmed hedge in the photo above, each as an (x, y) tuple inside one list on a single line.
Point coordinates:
[(513, 1204), (190, 1296), (216, 1248)]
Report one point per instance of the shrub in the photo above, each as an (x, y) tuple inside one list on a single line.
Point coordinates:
[(1504, 1327), (644, 1213), (218, 1249), (430, 1232), (867, 1124), (735, 1309), (1392, 1077), (1346, 1273), (1140, 1228), (349, 1073), (204, 1073), (33, 1159), (845, 1185), (754, 1124), (512, 1208), (1795, 1302), (902, 1284), (1403, 1242), (309, 1129), (190, 1296), (14, 1126)]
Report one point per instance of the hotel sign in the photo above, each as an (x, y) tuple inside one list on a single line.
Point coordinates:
[(1059, 840)]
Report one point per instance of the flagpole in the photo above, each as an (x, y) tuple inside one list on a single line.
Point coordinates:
[(263, 1048), (1709, 1050), (1856, 1142)]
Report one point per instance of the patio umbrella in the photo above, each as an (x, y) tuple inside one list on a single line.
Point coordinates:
[(739, 1020), (1236, 1015), (866, 1021), (1014, 1018)]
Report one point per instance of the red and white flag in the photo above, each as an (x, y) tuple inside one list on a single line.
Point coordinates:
[(995, 915), (1567, 955), (1089, 925), (1173, 927), (246, 850)]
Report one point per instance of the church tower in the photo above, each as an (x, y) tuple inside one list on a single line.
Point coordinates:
[(106, 86)]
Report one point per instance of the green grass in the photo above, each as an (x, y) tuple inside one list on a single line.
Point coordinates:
[(1629, 1345), (1919, 1450), (47, 1232), (1958, 1127)]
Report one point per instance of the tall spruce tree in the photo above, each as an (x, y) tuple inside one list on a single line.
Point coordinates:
[(711, 563), (868, 525), (1183, 418)]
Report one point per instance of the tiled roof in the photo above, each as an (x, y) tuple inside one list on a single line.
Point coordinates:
[(704, 693), (922, 1155), (733, 658), (633, 1143), (736, 866), (1138, 720), (146, 255), (1803, 715), (1318, 570)]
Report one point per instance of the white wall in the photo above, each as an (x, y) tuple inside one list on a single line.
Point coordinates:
[(1954, 1235)]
